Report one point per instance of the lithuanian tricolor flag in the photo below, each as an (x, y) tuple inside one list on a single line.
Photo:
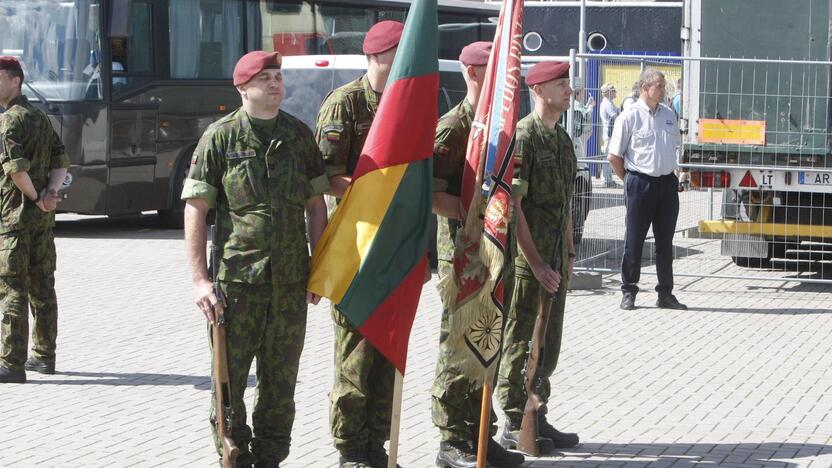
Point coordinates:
[(371, 260)]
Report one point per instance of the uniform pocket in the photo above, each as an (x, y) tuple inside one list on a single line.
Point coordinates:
[(242, 183), (12, 258)]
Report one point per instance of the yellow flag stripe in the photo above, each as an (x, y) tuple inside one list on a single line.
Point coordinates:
[(352, 230)]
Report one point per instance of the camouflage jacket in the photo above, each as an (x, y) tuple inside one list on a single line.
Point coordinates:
[(545, 168), (449, 151), (27, 143), (259, 180), (344, 121)]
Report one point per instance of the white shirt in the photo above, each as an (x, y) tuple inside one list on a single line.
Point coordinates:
[(646, 140), (608, 113)]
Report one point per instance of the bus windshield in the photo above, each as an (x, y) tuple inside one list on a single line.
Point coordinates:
[(57, 43)]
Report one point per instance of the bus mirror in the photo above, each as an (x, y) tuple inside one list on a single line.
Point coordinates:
[(119, 18)]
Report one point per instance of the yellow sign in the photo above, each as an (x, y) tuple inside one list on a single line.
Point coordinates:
[(745, 132)]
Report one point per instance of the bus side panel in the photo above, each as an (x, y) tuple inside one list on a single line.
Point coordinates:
[(84, 132)]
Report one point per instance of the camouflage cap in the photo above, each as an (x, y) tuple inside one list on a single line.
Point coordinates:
[(382, 37), (253, 63)]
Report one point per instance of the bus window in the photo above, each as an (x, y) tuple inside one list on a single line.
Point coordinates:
[(344, 27), (57, 44), (457, 31), (205, 38)]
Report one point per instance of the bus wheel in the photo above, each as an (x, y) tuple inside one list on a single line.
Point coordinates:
[(174, 217)]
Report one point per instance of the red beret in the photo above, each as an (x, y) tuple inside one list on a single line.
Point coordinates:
[(7, 62), (547, 71), (382, 37), (475, 53), (253, 63)]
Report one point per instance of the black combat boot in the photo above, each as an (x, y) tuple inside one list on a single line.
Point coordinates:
[(500, 457), (12, 376), (511, 436), (353, 458), (561, 439), (377, 456), (456, 454), (39, 365)]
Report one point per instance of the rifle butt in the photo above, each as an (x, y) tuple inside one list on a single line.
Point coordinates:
[(229, 453), (527, 440), (222, 397)]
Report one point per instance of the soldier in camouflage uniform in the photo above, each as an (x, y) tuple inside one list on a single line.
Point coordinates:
[(545, 169), (362, 395), (34, 167), (260, 169), (456, 398)]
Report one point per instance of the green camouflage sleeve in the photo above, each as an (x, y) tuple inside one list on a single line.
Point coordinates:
[(57, 157), (314, 167), (442, 156), (333, 133), (205, 176), (522, 165), (12, 156)]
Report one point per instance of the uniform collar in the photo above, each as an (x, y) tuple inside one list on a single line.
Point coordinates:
[(542, 126), (247, 130), (467, 108), (372, 97), (20, 100)]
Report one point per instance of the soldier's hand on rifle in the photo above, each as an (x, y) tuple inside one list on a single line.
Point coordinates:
[(548, 278), (207, 301), (312, 298)]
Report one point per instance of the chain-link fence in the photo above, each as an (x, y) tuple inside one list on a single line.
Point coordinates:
[(756, 141)]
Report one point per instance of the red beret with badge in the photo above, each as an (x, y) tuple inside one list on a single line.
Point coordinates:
[(547, 71), (253, 63), (476, 54), (382, 37), (7, 62)]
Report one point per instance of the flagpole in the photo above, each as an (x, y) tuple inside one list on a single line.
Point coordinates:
[(395, 421), (485, 425)]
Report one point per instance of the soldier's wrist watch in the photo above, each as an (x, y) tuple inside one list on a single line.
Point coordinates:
[(37, 199)]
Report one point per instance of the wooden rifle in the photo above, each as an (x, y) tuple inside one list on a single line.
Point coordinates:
[(222, 387), (529, 440)]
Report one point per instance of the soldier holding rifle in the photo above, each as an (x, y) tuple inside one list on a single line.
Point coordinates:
[(260, 169), (545, 169)]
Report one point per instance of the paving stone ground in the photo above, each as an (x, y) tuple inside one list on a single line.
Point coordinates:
[(741, 379)]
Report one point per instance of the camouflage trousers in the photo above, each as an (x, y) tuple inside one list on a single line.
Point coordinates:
[(267, 322), (519, 326), (456, 400), (27, 282), (361, 400)]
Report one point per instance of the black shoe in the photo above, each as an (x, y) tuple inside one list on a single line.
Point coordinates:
[(354, 459), (510, 437), (12, 376), (39, 365), (456, 455), (500, 457), (561, 439), (670, 302), (628, 301), (377, 456)]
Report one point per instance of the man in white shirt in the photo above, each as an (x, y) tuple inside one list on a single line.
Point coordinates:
[(642, 152), (608, 113)]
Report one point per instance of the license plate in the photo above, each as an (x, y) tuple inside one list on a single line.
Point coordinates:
[(815, 178)]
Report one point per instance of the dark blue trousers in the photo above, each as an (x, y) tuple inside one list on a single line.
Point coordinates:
[(649, 200)]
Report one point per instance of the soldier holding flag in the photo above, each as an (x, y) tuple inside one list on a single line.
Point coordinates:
[(455, 402), (545, 168), (362, 395)]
